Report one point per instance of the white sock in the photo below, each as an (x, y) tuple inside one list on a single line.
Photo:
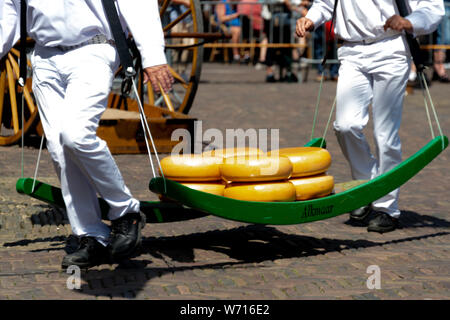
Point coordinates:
[(412, 76)]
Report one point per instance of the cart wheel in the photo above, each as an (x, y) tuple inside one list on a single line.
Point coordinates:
[(184, 55), (10, 105)]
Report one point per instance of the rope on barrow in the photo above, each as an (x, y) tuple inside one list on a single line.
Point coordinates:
[(427, 90), (316, 112), (324, 60), (146, 130), (37, 162), (317, 107), (23, 134), (328, 123), (426, 106)]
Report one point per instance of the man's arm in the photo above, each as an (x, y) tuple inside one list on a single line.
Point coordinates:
[(144, 23), (320, 12), (9, 25), (424, 18)]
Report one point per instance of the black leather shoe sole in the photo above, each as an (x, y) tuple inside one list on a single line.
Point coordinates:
[(381, 229), (84, 265), (382, 223), (133, 250), (360, 214), (101, 258)]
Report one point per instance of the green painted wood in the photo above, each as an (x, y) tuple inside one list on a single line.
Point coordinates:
[(283, 213), (42, 191), (317, 142), (155, 211)]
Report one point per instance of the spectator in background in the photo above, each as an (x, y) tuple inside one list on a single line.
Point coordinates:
[(442, 37), (175, 9), (252, 22), (298, 8), (227, 14), (277, 27), (266, 15), (323, 38)]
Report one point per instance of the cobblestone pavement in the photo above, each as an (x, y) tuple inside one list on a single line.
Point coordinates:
[(213, 258)]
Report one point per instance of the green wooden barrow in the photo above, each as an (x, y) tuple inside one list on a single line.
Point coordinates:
[(190, 204)]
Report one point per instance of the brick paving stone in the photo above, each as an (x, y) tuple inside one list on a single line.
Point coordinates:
[(213, 258)]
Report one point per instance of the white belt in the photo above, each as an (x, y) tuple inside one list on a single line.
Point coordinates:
[(98, 39), (373, 40)]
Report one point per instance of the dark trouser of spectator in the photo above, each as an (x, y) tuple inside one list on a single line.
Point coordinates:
[(280, 56), (442, 36), (318, 38)]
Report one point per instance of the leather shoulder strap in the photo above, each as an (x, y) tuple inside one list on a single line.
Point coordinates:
[(333, 22), (413, 44), (23, 43), (119, 37)]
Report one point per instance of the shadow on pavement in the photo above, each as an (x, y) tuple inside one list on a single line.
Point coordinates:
[(243, 246), (409, 219), (240, 247)]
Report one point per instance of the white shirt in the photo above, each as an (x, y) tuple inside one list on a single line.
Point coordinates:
[(358, 20), (70, 22)]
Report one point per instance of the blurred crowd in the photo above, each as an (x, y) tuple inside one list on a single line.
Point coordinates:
[(262, 22)]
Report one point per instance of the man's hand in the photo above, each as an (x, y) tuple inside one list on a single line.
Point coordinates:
[(303, 25), (399, 24), (159, 75)]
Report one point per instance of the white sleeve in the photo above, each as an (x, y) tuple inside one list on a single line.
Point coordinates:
[(320, 12), (426, 15), (144, 23), (9, 25)]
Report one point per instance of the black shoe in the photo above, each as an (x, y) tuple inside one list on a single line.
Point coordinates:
[(382, 222), (290, 78), (89, 253), (126, 235), (245, 60), (270, 78), (360, 213), (443, 79)]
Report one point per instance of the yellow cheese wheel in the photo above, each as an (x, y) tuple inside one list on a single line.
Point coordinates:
[(255, 168), (266, 191), (191, 167), (306, 161), (209, 187), (313, 187), (233, 152)]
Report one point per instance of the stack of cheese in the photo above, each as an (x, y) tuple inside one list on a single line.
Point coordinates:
[(251, 175), (258, 177), (309, 171)]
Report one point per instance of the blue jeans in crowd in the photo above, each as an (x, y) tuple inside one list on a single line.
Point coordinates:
[(318, 39)]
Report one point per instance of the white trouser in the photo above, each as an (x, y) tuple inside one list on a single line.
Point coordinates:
[(72, 90), (372, 74)]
